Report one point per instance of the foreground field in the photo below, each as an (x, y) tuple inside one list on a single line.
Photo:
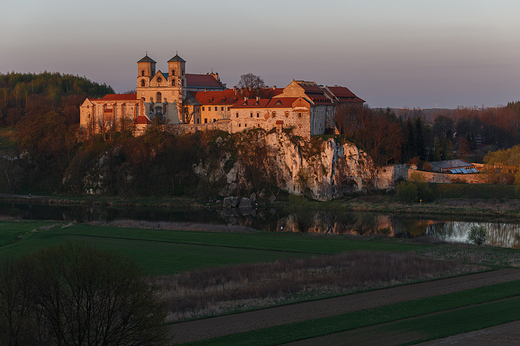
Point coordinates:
[(236, 255), (462, 304)]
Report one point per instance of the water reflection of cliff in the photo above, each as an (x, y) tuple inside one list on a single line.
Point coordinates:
[(276, 220)]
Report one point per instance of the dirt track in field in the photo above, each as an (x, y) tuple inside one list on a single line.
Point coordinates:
[(243, 322)]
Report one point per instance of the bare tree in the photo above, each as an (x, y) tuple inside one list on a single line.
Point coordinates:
[(74, 294), (251, 84)]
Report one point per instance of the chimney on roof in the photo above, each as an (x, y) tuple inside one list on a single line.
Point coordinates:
[(274, 87), (258, 98), (205, 90), (235, 89)]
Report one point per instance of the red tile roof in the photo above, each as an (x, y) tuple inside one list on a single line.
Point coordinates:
[(281, 102), (142, 120), (216, 97), (120, 97), (202, 81), (344, 94)]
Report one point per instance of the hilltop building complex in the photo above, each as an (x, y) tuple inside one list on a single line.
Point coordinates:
[(192, 102)]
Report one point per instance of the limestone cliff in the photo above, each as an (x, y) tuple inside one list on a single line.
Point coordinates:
[(320, 169)]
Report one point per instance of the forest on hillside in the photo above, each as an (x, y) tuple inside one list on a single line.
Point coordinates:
[(39, 119)]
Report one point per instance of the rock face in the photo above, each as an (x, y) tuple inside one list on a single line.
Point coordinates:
[(320, 169)]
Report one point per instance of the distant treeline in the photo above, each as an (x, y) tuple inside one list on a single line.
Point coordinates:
[(17, 90), (416, 136)]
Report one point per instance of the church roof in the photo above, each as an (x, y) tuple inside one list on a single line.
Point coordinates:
[(146, 59), (202, 81), (176, 58), (119, 97)]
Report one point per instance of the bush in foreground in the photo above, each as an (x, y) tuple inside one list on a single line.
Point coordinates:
[(74, 294)]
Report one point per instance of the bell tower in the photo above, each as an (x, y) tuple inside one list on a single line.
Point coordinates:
[(145, 71), (176, 71)]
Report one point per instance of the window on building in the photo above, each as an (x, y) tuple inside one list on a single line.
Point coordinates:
[(299, 115), (159, 97), (286, 114), (173, 72), (142, 73), (258, 115), (251, 114), (203, 108), (143, 83), (274, 114), (214, 119), (221, 109), (159, 79), (173, 82), (245, 125), (205, 121), (237, 115), (228, 109), (239, 125), (216, 109)]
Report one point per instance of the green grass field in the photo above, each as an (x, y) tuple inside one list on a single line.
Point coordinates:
[(164, 252), (428, 318)]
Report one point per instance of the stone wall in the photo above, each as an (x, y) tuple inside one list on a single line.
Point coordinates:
[(223, 125), (387, 176), (446, 178)]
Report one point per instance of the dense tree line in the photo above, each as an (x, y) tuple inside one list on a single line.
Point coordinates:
[(461, 133), (16, 90), (44, 110)]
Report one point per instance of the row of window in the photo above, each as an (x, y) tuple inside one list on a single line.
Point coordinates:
[(159, 80), (173, 73), (273, 114), (216, 109)]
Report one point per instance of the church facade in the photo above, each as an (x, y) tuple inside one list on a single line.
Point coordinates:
[(194, 101)]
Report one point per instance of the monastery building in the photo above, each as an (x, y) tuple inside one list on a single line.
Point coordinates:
[(193, 102)]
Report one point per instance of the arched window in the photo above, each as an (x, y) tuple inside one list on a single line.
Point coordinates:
[(173, 82), (142, 83), (142, 73), (159, 97)]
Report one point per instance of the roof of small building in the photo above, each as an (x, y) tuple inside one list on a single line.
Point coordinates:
[(146, 59), (449, 164), (142, 120), (202, 81)]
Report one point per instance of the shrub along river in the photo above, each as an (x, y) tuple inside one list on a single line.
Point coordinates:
[(503, 234)]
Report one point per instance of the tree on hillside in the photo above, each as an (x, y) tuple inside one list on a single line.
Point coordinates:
[(74, 294)]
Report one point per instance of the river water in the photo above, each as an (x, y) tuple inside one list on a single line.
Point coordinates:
[(502, 234)]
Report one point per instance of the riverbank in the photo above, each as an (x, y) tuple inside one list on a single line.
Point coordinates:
[(462, 206)]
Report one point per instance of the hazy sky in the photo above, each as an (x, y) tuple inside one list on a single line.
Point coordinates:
[(400, 53)]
